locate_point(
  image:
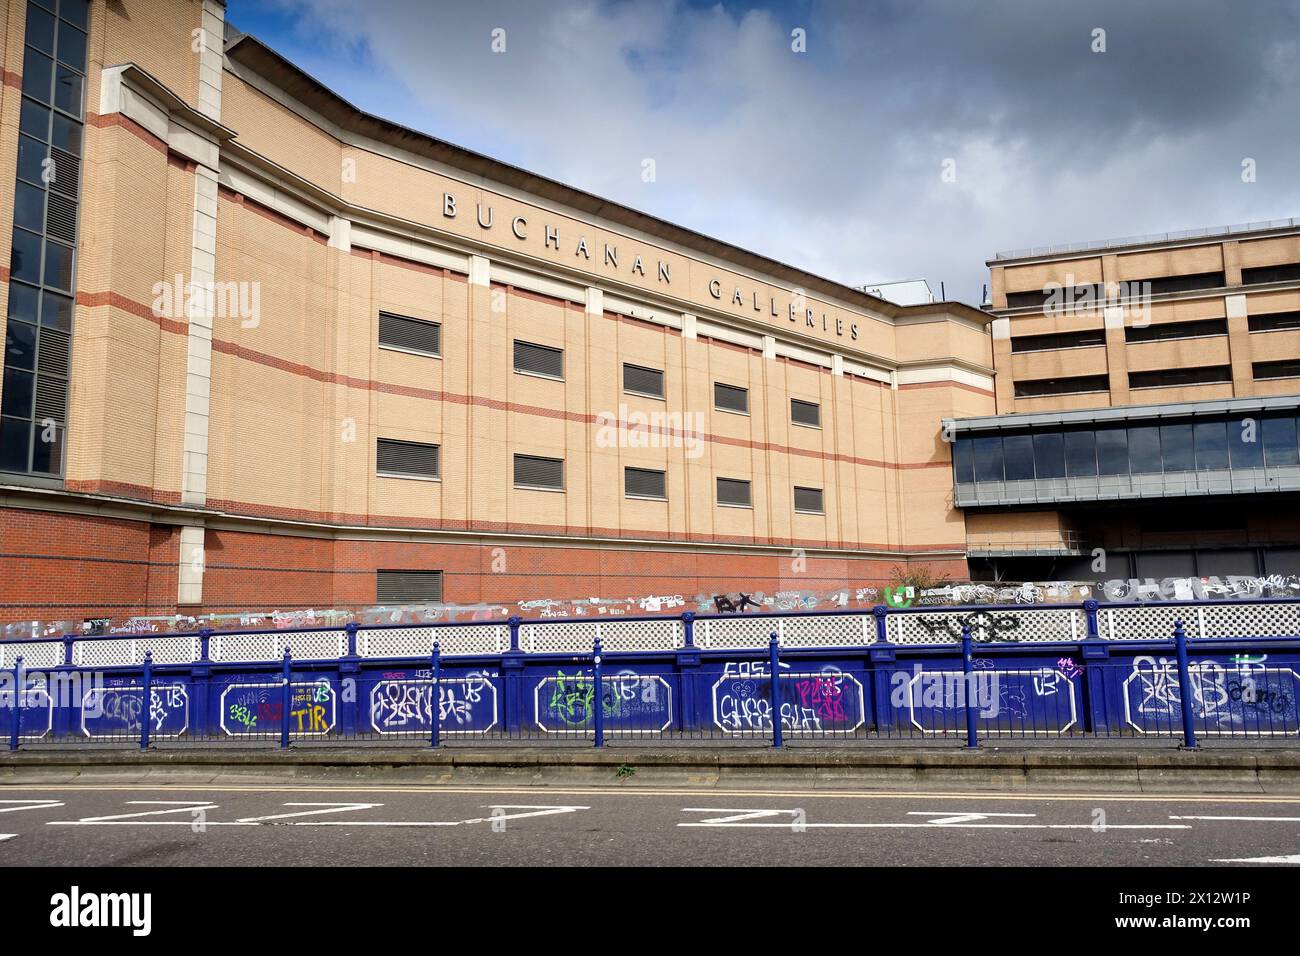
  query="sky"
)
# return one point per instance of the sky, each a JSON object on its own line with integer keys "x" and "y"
{"x": 862, "y": 141}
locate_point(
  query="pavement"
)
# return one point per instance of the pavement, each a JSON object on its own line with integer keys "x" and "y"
{"x": 171, "y": 823}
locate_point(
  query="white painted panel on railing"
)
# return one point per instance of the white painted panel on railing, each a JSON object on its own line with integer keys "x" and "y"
{"x": 828, "y": 630}
{"x": 562, "y": 637}
{"x": 736, "y": 632}
{"x": 34, "y": 653}
{"x": 418, "y": 641}
{"x": 657, "y": 635}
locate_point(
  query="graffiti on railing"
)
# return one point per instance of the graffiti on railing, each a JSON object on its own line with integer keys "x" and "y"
{"x": 984, "y": 625}
{"x": 116, "y": 710}
{"x": 249, "y": 708}
{"x": 1227, "y": 696}
{"x": 467, "y": 704}
{"x": 1013, "y": 700}
{"x": 629, "y": 701}
{"x": 35, "y": 707}
{"x": 829, "y": 701}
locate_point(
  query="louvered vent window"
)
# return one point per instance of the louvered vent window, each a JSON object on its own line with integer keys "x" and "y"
{"x": 805, "y": 413}
{"x": 808, "y": 500}
{"x": 733, "y": 491}
{"x": 406, "y": 458}
{"x": 539, "y": 360}
{"x": 645, "y": 483}
{"x": 408, "y": 587}
{"x": 643, "y": 381}
{"x": 413, "y": 335}
{"x": 729, "y": 398}
{"x": 534, "y": 472}
{"x": 33, "y": 413}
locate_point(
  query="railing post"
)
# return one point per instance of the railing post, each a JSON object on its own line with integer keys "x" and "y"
{"x": 968, "y": 668}
{"x": 1090, "y": 613}
{"x": 1184, "y": 685}
{"x": 514, "y": 632}
{"x": 286, "y": 698}
{"x": 19, "y": 680}
{"x": 205, "y": 644}
{"x": 774, "y": 654}
{"x": 688, "y": 622}
{"x": 882, "y": 631}
{"x": 435, "y": 717}
{"x": 67, "y": 649}
{"x": 598, "y": 702}
{"x": 146, "y": 705}
{"x": 351, "y": 629}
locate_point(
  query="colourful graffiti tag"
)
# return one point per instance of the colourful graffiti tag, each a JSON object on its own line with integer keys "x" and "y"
{"x": 249, "y": 708}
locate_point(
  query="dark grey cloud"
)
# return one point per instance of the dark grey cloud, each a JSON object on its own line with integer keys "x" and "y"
{"x": 832, "y": 159}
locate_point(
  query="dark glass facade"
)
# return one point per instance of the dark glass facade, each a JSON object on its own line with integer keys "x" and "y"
{"x": 38, "y": 332}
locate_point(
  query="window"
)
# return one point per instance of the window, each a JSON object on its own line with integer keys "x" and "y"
{"x": 734, "y": 492}
{"x": 1112, "y": 451}
{"x": 808, "y": 501}
{"x": 1244, "y": 446}
{"x": 1018, "y": 457}
{"x": 1080, "y": 454}
{"x": 645, "y": 483}
{"x": 539, "y": 360}
{"x": 408, "y": 587}
{"x": 1144, "y": 450}
{"x": 1062, "y": 386}
{"x": 1287, "y": 272}
{"x": 805, "y": 413}
{"x": 1287, "y": 368}
{"x": 1175, "y": 330}
{"x": 988, "y": 458}
{"x": 539, "y": 473}
{"x": 638, "y": 380}
{"x": 411, "y": 335}
{"x": 963, "y": 461}
{"x": 1164, "y": 378}
{"x": 1061, "y": 340}
{"x": 1169, "y": 284}
{"x": 43, "y": 257}
{"x": 1176, "y": 448}
{"x": 407, "y": 459}
{"x": 1274, "y": 321}
{"x": 1279, "y": 436}
{"x": 1211, "y": 441}
{"x": 1078, "y": 296}
{"x": 1049, "y": 455}
{"x": 729, "y": 398}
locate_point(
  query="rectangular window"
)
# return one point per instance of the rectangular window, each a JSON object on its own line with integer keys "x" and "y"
{"x": 988, "y": 458}
{"x": 1049, "y": 455}
{"x": 1176, "y": 449}
{"x": 1144, "y": 450}
{"x": 808, "y": 501}
{"x": 1036, "y": 388}
{"x": 43, "y": 256}
{"x": 1080, "y": 454}
{"x": 1279, "y": 441}
{"x": 411, "y": 335}
{"x": 408, "y": 587}
{"x": 539, "y": 473}
{"x": 1288, "y": 368}
{"x": 1244, "y": 447}
{"x": 1274, "y": 321}
{"x": 805, "y": 413}
{"x": 733, "y": 491}
{"x": 407, "y": 459}
{"x": 638, "y": 380}
{"x": 1287, "y": 272}
{"x": 1169, "y": 284}
{"x": 1068, "y": 297}
{"x": 1176, "y": 330}
{"x": 730, "y": 398}
{"x": 1060, "y": 340}
{"x": 1018, "y": 457}
{"x": 963, "y": 461}
{"x": 1167, "y": 377}
{"x": 645, "y": 483}
{"x": 539, "y": 360}
{"x": 1112, "y": 451}
{"x": 1211, "y": 441}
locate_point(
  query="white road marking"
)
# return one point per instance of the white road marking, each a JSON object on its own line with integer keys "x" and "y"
{"x": 7, "y": 836}
{"x": 29, "y": 805}
{"x": 1258, "y": 819}
{"x": 970, "y": 817}
{"x": 328, "y": 808}
{"x": 1263, "y": 859}
{"x": 133, "y": 819}
{"x": 942, "y": 824}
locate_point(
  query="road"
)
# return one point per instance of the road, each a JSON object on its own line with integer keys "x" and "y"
{"x": 121, "y": 825}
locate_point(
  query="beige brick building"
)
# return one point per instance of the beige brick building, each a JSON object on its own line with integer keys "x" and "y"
{"x": 267, "y": 350}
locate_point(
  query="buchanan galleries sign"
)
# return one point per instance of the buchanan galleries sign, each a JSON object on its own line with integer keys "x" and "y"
{"x": 796, "y": 308}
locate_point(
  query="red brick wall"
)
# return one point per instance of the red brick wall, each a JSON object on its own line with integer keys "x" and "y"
{"x": 55, "y": 566}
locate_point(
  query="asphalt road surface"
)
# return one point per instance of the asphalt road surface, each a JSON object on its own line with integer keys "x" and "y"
{"x": 117, "y": 825}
